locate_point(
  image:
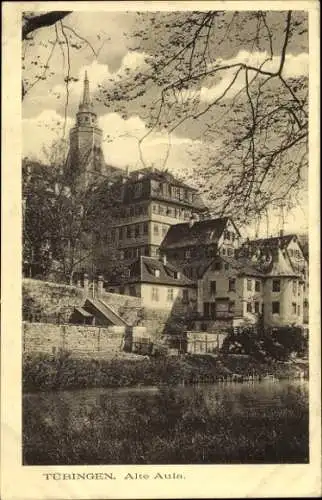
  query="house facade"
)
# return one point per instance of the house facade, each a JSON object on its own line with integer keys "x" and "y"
{"x": 150, "y": 202}
{"x": 230, "y": 290}
{"x": 193, "y": 245}
{"x": 159, "y": 285}
{"x": 265, "y": 281}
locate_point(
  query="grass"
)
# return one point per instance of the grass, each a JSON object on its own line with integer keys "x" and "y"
{"x": 169, "y": 427}
{"x": 47, "y": 372}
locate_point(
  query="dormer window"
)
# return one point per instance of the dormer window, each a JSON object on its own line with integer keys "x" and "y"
{"x": 157, "y": 273}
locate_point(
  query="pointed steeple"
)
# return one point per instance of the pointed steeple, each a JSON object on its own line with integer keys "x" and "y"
{"x": 86, "y": 100}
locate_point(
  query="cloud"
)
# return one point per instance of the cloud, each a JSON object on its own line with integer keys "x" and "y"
{"x": 120, "y": 141}
{"x": 41, "y": 131}
{"x": 295, "y": 66}
{"x": 99, "y": 75}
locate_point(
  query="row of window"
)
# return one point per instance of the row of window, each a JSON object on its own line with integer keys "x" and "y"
{"x": 296, "y": 309}
{"x": 155, "y": 296}
{"x": 133, "y": 211}
{"x": 276, "y": 286}
{"x": 134, "y": 252}
{"x": 137, "y": 230}
{"x": 229, "y": 235}
{"x": 251, "y": 284}
{"x": 176, "y": 213}
{"x": 176, "y": 192}
{"x": 211, "y": 309}
{"x": 227, "y": 251}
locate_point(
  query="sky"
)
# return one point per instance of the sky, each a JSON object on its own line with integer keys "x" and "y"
{"x": 123, "y": 52}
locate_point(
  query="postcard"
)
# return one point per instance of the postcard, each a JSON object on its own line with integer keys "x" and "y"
{"x": 161, "y": 259}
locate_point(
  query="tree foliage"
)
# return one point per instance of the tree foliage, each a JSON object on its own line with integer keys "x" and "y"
{"x": 222, "y": 78}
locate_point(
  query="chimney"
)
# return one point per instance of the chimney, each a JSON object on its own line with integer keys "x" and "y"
{"x": 281, "y": 233}
{"x": 164, "y": 259}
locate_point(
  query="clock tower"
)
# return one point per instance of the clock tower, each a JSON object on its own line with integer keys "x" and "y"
{"x": 86, "y": 160}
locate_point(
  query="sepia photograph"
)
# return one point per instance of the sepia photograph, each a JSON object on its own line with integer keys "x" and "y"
{"x": 162, "y": 255}
{"x": 165, "y": 237}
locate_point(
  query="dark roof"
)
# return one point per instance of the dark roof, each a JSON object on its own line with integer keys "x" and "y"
{"x": 158, "y": 175}
{"x": 272, "y": 242}
{"x": 277, "y": 264}
{"x": 143, "y": 271}
{"x": 200, "y": 232}
{"x": 242, "y": 266}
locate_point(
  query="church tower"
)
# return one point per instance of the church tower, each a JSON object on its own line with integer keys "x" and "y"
{"x": 86, "y": 160}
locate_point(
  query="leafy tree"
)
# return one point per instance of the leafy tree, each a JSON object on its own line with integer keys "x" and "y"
{"x": 225, "y": 77}
{"x": 62, "y": 227}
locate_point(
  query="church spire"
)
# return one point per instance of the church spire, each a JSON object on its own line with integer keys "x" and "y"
{"x": 86, "y": 100}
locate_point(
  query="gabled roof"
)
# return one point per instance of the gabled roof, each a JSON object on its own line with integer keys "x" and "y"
{"x": 275, "y": 264}
{"x": 242, "y": 266}
{"x": 143, "y": 270}
{"x": 200, "y": 232}
{"x": 272, "y": 242}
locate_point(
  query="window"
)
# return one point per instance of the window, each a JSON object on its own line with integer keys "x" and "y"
{"x": 275, "y": 307}
{"x": 249, "y": 285}
{"x": 257, "y": 286}
{"x": 121, "y": 233}
{"x": 232, "y": 285}
{"x": 249, "y": 307}
{"x": 232, "y": 306}
{"x": 230, "y": 251}
{"x": 276, "y": 286}
{"x": 122, "y": 255}
{"x": 299, "y": 310}
{"x": 216, "y": 266}
{"x": 128, "y": 232}
{"x": 223, "y": 251}
{"x": 137, "y": 190}
{"x": 137, "y": 230}
{"x": 226, "y": 266}
{"x": 145, "y": 228}
{"x": 256, "y": 304}
{"x": 294, "y": 287}
{"x": 185, "y": 295}
{"x": 213, "y": 287}
{"x": 170, "y": 295}
{"x": 155, "y": 294}
{"x": 187, "y": 254}
{"x": 146, "y": 251}
{"x": 132, "y": 290}
{"x": 156, "y": 229}
{"x": 113, "y": 234}
{"x": 131, "y": 211}
{"x": 227, "y": 235}
{"x": 161, "y": 209}
{"x": 293, "y": 308}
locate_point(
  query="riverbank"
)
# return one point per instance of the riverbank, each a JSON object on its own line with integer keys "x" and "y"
{"x": 45, "y": 372}
{"x": 251, "y": 423}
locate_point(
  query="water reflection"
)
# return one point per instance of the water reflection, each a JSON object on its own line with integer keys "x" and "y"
{"x": 252, "y": 422}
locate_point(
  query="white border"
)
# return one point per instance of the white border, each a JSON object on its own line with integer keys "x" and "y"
{"x": 202, "y": 481}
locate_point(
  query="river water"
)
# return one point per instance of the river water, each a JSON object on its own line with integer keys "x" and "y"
{"x": 276, "y": 411}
